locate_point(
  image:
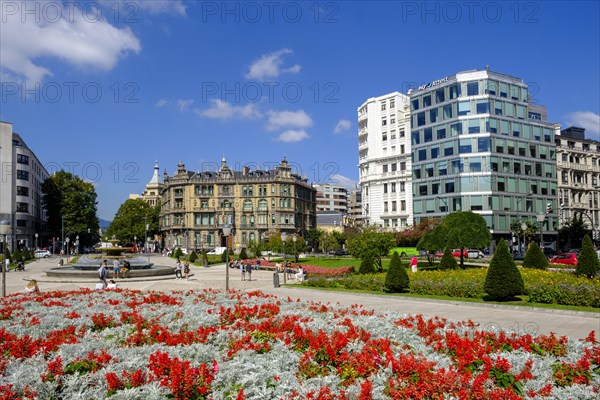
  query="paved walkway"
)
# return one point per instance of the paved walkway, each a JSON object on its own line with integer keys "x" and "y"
{"x": 509, "y": 318}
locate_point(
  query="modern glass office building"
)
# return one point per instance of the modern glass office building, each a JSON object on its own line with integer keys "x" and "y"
{"x": 480, "y": 143}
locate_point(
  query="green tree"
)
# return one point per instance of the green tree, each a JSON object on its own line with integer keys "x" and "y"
{"x": 410, "y": 237}
{"x": 396, "y": 278}
{"x": 16, "y": 256}
{"x": 26, "y": 254}
{"x": 243, "y": 255}
{"x": 366, "y": 266}
{"x": 535, "y": 258}
{"x": 458, "y": 230}
{"x": 328, "y": 242}
{"x": 448, "y": 261}
{"x": 6, "y": 254}
{"x": 371, "y": 243}
{"x": 588, "y": 263}
{"x": 256, "y": 248}
{"x": 204, "y": 258}
{"x": 503, "y": 280}
{"x": 131, "y": 219}
{"x": 69, "y": 199}
{"x": 574, "y": 230}
{"x": 193, "y": 256}
{"x": 178, "y": 253}
{"x": 313, "y": 236}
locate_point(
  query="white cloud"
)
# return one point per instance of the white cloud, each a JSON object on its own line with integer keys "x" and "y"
{"x": 343, "y": 125}
{"x": 223, "y": 110}
{"x": 270, "y": 66}
{"x": 341, "y": 180}
{"x": 585, "y": 119}
{"x": 291, "y": 136}
{"x": 162, "y": 103}
{"x": 155, "y": 7}
{"x": 288, "y": 119}
{"x": 65, "y": 35}
{"x": 184, "y": 104}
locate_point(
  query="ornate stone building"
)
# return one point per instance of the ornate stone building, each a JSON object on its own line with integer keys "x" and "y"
{"x": 255, "y": 203}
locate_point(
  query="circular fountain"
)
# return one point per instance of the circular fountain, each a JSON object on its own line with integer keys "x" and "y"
{"x": 87, "y": 265}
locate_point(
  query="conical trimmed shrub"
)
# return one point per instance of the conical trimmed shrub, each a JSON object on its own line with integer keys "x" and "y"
{"x": 178, "y": 253}
{"x": 535, "y": 258}
{"x": 448, "y": 261}
{"x": 16, "y": 257}
{"x": 243, "y": 255}
{"x": 193, "y": 256}
{"x": 6, "y": 254}
{"x": 396, "y": 279}
{"x": 587, "y": 260}
{"x": 503, "y": 280}
{"x": 366, "y": 266}
{"x": 26, "y": 254}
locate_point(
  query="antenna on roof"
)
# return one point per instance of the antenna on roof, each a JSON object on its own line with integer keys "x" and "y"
{"x": 487, "y": 67}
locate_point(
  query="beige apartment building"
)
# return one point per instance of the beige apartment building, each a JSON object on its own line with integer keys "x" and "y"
{"x": 195, "y": 206}
{"x": 578, "y": 170}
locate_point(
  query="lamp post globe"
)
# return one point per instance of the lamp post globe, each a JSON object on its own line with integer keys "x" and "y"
{"x": 36, "y": 240}
{"x": 541, "y": 217}
{"x": 524, "y": 229}
{"x": 67, "y": 240}
{"x": 294, "y": 238}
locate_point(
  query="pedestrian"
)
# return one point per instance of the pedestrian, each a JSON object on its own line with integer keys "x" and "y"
{"x": 413, "y": 264}
{"x": 257, "y": 265}
{"x": 186, "y": 270}
{"x": 102, "y": 272}
{"x": 243, "y": 270}
{"x": 32, "y": 287}
{"x": 116, "y": 268}
{"x": 112, "y": 284}
{"x": 300, "y": 275}
{"x": 249, "y": 270}
{"x": 6, "y": 264}
{"x": 178, "y": 269}
{"x": 61, "y": 262}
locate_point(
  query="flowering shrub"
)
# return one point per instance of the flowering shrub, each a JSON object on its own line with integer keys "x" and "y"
{"x": 246, "y": 345}
{"x": 541, "y": 286}
{"x": 312, "y": 269}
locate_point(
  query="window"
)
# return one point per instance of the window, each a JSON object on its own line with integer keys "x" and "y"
{"x": 393, "y": 187}
{"x": 392, "y": 103}
{"x": 383, "y": 121}
{"x": 383, "y": 105}
{"x": 393, "y": 119}
{"x": 464, "y": 108}
{"x": 439, "y": 96}
{"x": 394, "y": 167}
{"x": 474, "y": 126}
{"x": 22, "y": 159}
{"x": 384, "y": 136}
{"x": 448, "y": 111}
{"x": 23, "y": 175}
{"x": 421, "y": 119}
{"x": 472, "y": 88}
{"x": 385, "y": 168}
{"x": 433, "y": 115}
{"x": 23, "y": 207}
{"x": 450, "y": 187}
{"x": 427, "y": 135}
{"x": 385, "y": 188}
{"x": 415, "y": 104}
{"x": 385, "y": 206}
{"x": 426, "y": 101}
{"x": 22, "y": 191}
{"x": 402, "y": 186}
{"x": 441, "y": 133}
{"x": 403, "y": 205}
{"x": 454, "y": 91}
{"x": 394, "y": 209}
{"x": 483, "y": 107}
{"x": 393, "y": 134}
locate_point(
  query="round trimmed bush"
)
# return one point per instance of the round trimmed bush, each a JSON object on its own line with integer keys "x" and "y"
{"x": 448, "y": 261}
{"x": 535, "y": 258}
{"x": 396, "y": 279}
{"x": 503, "y": 280}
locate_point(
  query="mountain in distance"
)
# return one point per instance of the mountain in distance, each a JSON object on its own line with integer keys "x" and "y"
{"x": 103, "y": 224}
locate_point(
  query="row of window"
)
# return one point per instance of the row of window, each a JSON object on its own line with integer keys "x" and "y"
{"x": 394, "y": 207}
{"x": 246, "y": 190}
{"x": 483, "y": 145}
{"x": 473, "y": 88}
{"x": 212, "y": 220}
{"x": 384, "y": 135}
{"x": 484, "y": 164}
{"x": 482, "y": 125}
{"x": 498, "y": 203}
{"x": 393, "y": 167}
{"x": 392, "y": 104}
{"x": 484, "y": 183}
{"x": 468, "y": 107}
{"x": 392, "y": 187}
{"x": 393, "y": 222}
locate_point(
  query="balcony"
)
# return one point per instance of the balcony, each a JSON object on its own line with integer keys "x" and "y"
{"x": 362, "y": 117}
{"x": 363, "y": 145}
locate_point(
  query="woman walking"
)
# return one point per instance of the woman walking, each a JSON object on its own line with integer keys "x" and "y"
{"x": 186, "y": 270}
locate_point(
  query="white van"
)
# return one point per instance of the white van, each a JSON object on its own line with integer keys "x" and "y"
{"x": 217, "y": 251}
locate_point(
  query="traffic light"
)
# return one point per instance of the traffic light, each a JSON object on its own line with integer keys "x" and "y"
{"x": 548, "y": 208}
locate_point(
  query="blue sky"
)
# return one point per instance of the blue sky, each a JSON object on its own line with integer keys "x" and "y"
{"x": 105, "y": 88}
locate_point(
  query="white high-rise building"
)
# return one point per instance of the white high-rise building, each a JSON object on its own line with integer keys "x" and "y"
{"x": 21, "y": 190}
{"x": 332, "y": 198}
{"x": 385, "y": 167}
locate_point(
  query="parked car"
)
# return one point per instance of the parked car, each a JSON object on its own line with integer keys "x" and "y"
{"x": 338, "y": 253}
{"x": 518, "y": 256}
{"x": 42, "y": 253}
{"x": 218, "y": 250}
{"x": 456, "y": 253}
{"x": 565, "y": 258}
{"x": 475, "y": 253}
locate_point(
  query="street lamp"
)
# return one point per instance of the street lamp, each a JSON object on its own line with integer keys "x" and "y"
{"x": 524, "y": 229}
{"x": 36, "y": 237}
{"x": 67, "y": 240}
{"x": 135, "y": 244}
{"x": 283, "y": 239}
{"x": 226, "y": 233}
{"x": 147, "y": 247}
{"x": 541, "y": 217}
{"x": 77, "y": 243}
{"x": 4, "y": 231}
{"x": 294, "y": 238}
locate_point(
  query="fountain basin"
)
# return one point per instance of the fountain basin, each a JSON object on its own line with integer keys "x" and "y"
{"x": 69, "y": 272}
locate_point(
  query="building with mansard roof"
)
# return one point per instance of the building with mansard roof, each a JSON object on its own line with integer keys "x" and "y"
{"x": 195, "y": 206}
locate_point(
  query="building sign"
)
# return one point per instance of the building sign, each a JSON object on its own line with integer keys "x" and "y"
{"x": 432, "y": 84}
